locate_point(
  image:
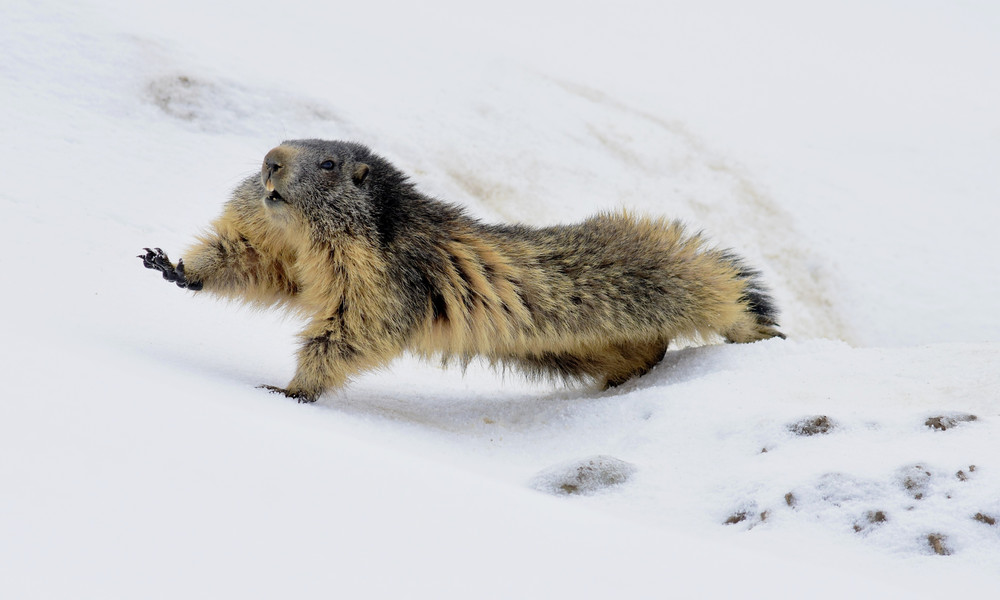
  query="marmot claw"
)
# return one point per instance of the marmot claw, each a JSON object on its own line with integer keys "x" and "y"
{"x": 157, "y": 260}
{"x": 302, "y": 397}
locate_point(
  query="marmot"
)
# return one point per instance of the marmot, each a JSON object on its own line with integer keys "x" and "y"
{"x": 337, "y": 233}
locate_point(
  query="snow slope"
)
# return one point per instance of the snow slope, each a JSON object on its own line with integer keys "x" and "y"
{"x": 849, "y": 152}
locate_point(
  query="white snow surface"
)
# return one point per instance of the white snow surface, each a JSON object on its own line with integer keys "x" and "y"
{"x": 850, "y": 150}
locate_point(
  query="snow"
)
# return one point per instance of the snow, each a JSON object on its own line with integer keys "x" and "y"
{"x": 849, "y": 151}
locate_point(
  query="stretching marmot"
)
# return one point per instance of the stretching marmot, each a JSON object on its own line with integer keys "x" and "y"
{"x": 339, "y": 234}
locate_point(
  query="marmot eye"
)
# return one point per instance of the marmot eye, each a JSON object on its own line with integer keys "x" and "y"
{"x": 326, "y": 164}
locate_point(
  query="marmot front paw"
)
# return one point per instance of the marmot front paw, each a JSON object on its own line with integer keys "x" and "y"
{"x": 157, "y": 260}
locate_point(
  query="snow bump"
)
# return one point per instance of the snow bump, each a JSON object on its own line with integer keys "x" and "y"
{"x": 584, "y": 477}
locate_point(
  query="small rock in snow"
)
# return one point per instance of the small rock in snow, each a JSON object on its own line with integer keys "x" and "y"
{"x": 747, "y": 513}
{"x": 915, "y": 480}
{"x": 817, "y": 425}
{"x": 586, "y": 476}
{"x": 946, "y": 422}
{"x": 937, "y": 543}
{"x": 872, "y": 518}
{"x": 985, "y": 518}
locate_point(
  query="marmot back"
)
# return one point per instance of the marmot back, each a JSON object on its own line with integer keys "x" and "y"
{"x": 337, "y": 233}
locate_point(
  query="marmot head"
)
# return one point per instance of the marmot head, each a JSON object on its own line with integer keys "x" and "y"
{"x": 325, "y": 182}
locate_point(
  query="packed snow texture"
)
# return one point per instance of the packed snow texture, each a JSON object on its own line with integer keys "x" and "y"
{"x": 850, "y": 151}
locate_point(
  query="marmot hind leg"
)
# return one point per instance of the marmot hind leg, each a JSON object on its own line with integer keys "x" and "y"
{"x": 625, "y": 361}
{"x": 758, "y": 321}
{"x": 610, "y": 365}
{"x": 751, "y": 330}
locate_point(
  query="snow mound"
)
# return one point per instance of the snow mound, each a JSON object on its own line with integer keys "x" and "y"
{"x": 586, "y": 476}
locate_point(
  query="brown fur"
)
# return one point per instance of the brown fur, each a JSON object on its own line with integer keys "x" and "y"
{"x": 381, "y": 269}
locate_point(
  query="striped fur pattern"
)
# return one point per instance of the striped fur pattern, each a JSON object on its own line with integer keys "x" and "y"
{"x": 336, "y": 233}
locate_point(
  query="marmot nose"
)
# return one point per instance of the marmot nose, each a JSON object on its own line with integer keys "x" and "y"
{"x": 274, "y": 161}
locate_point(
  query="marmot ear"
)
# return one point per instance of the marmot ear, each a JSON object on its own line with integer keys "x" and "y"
{"x": 360, "y": 173}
